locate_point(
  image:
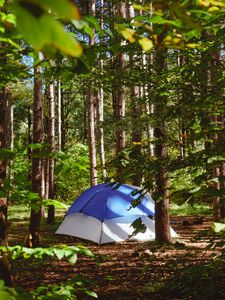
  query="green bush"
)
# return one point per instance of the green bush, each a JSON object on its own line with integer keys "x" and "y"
{"x": 72, "y": 172}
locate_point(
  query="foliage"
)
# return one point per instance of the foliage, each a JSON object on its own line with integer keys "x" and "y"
{"x": 55, "y": 292}
{"x": 60, "y": 251}
{"x": 187, "y": 209}
{"x": 47, "y": 32}
{"x": 78, "y": 285}
{"x": 201, "y": 281}
{"x": 69, "y": 290}
{"x": 171, "y": 24}
{"x": 72, "y": 172}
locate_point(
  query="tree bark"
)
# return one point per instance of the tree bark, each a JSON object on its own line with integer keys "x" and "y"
{"x": 100, "y": 106}
{"x": 4, "y": 263}
{"x": 162, "y": 227}
{"x": 59, "y": 100}
{"x": 222, "y": 185}
{"x": 3, "y": 129}
{"x": 118, "y": 92}
{"x": 51, "y": 160}
{"x": 5, "y": 272}
{"x": 135, "y": 94}
{"x": 37, "y": 161}
{"x": 149, "y": 107}
{"x": 91, "y": 114}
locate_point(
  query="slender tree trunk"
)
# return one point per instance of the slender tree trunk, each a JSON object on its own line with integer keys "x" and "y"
{"x": 162, "y": 227}
{"x": 10, "y": 145}
{"x": 3, "y": 130}
{"x": 222, "y": 185}
{"x": 59, "y": 98}
{"x": 119, "y": 92}
{"x": 221, "y": 139}
{"x": 181, "y": 60}
{"x": 135, "y": 93}
{"x": 4, "y": 263}
{"x": 5, "y": 273}
{"x": 29, "y": 132}
{"x": 214, "y": 77}
{"x": 120, "y": 104}
{"x": 216, "y": 199}
{"x": 100, "y": 106}
{"x": 149, "y": 108}
{"x": 6, "y": 129}
{"x": 85, "y": 126}
{"x": 91, "y": 114}
{"x": 37, "y": 161}
{"x": 51, "y": 160}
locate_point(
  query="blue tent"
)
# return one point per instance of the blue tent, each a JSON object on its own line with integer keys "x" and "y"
{"x": 104, "y": 214}
{"x": 106, "y": 201}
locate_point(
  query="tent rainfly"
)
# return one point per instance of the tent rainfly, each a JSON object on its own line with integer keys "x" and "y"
{"x": 104, "y": 214}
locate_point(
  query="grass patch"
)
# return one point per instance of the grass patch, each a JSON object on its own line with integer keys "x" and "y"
{"x": 190, "y": 210}
{"x": 18, "y": 212}
{"x": 22, "y": 212}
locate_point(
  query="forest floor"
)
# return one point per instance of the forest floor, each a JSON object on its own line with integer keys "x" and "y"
{"x": 128, "y": 270}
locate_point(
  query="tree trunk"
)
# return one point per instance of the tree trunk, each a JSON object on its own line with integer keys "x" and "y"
{"x": 4, "y": 263}
{"x": 5, "y": 273}
{"x": 183, "y": 98}
{"x": 59, "y": 98}
{"x": 51, "y": 160}
{"x": 214, "y": 77}
{"x": 3, "y": 131}
{"x": 221, "y": 138}
{"x": 91, "y": 114}
{"x": 119, "y": 93}
{"x": 135, "y": 94}
{"x": 37, "y": 162}
{"x": 149, "y": 108}
{"x": 85, "y": 126}
{"x": 100, "y": 107}
{"x": 222, "y": 185}
{"x": 162, "y": 227}
{"x": 6, "y": 141}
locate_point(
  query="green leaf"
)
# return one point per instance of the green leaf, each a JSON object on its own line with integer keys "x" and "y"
{"x": 56, "y": 203}
{"x": 218, "y": 227}
{"x": 4, "y": 152}
{"x": 46, "y": 31}
{"x": 195, "y": 190}
{"x": 215, "y": 158}
{"x": 9, "y": 41}
{"x": 91, "y": 293}
{"x": 5, "y": 294}
{"x": 73, "y": 259}
{"x": 63, "y": 8}
{"x": 138, "y": 227}
{"x": 142, "y": 7}
{"x": 59, "y": 253}
{"x": 146, "y": 44}
{"x": 92, "y": 20}
{"x": 9, "y": 18}
{"x": 79, "y": 24}
{"x": 60, "y": 39}
{"x": 2, "y": 28}
{"x": 128, "y": 34}
{"x": 160, "y": 20}
{"x": 29, "y": 27}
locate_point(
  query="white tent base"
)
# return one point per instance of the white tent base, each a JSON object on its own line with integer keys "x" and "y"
{"x": 114, "y": 230}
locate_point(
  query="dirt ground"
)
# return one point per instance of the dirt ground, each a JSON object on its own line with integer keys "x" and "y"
{"x": 128, "y": 270}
